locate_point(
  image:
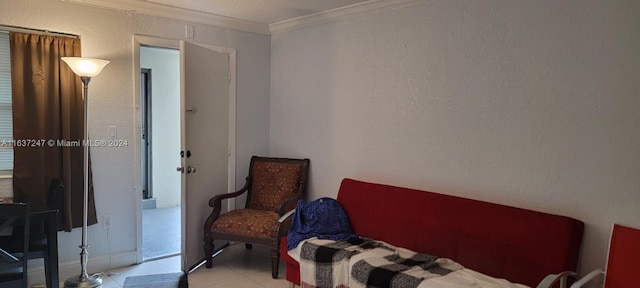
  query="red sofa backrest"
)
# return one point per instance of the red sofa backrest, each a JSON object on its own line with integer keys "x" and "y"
{"x": 519, "y": 245}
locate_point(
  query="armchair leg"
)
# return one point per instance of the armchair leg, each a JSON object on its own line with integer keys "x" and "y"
{"x": 275, "y": 263}
{"x": 208, "y": 252}
{"x": 275, "y": 259}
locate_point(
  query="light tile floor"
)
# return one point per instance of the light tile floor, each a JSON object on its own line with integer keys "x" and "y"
{"x": 234, "y": 267}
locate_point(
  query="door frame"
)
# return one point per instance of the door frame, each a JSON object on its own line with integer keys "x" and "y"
{"x": 141, "y": 40}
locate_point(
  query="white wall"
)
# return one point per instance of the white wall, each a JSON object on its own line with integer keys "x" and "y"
{"x": 108, "y": 34}
{"x": 165, "y": 123}
{"x": 533, "y": 104}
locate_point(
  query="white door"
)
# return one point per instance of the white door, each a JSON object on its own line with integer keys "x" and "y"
{"x": 204, "y": 82}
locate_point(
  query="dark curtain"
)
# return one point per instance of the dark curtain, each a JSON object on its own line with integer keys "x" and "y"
{"x": 48, "y": 108}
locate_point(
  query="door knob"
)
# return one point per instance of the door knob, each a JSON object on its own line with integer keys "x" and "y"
{"x": 180, "y": 169}
{"x": 191, "y": 169}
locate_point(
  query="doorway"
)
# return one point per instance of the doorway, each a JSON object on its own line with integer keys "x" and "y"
{"x": 160, "y": 146}
{"x": 196, "y": 188}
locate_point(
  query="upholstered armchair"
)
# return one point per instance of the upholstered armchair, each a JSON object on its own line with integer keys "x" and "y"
{"x": 273, "y": 187}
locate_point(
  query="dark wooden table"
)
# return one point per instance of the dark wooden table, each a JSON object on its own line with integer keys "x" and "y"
{"x": 49, "y": 217}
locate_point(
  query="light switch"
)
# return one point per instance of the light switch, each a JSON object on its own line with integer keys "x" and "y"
{"x": 188, "y": 31}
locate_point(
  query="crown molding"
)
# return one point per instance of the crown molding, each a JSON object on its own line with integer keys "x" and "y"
{"x": 154, "y": 9}
{"x": 354, "y": 10}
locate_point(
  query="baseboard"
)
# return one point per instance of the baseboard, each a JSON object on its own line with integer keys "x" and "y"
{"x": 72, "y": 268}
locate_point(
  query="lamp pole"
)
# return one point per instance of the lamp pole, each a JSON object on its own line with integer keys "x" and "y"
{"x": 85, "y": 68}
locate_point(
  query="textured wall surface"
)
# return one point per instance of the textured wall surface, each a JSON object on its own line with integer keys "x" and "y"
{"x": 532, "y": 104}
{"x": 108, "y": 34}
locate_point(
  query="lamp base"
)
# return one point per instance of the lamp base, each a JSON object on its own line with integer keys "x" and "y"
{"x": 84, "y": 282}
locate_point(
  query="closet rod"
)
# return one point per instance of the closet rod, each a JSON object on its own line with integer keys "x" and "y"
{"x": 9, "y": 28}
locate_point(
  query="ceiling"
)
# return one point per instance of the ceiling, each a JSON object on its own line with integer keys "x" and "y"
{"x": 258, "y": 16}
{"x": 261, "y": 11}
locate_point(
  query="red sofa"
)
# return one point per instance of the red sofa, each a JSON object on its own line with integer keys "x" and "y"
{"x": 519, "y": 245}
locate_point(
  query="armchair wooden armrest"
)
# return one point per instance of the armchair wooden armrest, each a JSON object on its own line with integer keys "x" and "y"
{"x": 288, "y": 204}
{"x": 552, "y": 279}
{"x": 283, "y": 226}
{"x": 216, "y": 203}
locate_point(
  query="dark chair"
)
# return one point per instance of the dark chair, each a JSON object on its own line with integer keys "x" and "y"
{"x": 38, "y": 243}
{"x": 273, "y": 187}
{"x": 13, "y": 263}
{"x": 38, "y": 247}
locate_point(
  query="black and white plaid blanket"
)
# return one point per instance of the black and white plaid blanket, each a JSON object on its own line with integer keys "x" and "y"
{"x": 339, "y": 264}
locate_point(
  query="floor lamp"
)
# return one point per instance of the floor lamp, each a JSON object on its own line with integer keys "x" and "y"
{"x": 86, "y": 68}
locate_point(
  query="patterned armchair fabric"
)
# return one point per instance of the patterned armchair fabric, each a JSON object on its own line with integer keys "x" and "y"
{"x": 246, "y": 222}
{"x": 273, "y": 187}
{"x": 273, "y": 183}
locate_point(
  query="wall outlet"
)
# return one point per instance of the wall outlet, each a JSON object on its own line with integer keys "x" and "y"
{"x": 113, "y": 132}
{"x": 106, "y": 221}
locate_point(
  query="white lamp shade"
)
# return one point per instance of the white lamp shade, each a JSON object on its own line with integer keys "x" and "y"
{"x": 85, "y": 67}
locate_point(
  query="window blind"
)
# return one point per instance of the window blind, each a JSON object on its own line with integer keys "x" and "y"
{"x": 6, "y": 115}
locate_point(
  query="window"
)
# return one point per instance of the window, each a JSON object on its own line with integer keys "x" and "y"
{"x": 6, "y": 115}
